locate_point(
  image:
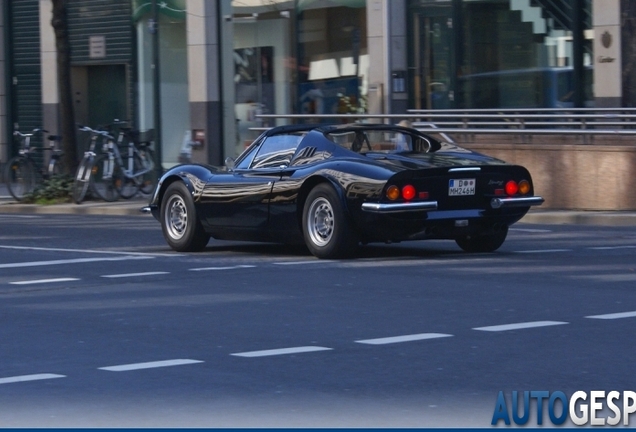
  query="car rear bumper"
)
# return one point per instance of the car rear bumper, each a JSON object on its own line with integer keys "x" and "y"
{"x": 399, "y": 207}
{"x": 516, "y": 202}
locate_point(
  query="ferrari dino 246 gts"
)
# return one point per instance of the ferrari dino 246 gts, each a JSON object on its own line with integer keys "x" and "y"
{"x": 335, "y": 187}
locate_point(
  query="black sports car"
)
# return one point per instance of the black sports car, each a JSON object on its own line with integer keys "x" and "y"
{"x": 336, "y": 186}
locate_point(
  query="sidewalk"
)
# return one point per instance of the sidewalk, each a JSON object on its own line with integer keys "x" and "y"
{"x": 132, "y": 207}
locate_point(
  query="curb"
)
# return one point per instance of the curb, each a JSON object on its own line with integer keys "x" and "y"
{"x": 133, "y": 208}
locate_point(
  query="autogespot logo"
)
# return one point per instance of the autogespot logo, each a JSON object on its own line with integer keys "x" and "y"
{"x": 595, "y": 408}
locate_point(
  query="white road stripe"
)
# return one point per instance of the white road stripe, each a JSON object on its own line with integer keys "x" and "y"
{"x": 612, "y": 247}
{"x": 149, "y": 365}
{"x": 34, "y": 377}
{"x": 531, "y": 230}
{"x": 318, "y": 261}
{"x": 93, "y": 251}
{"x": 282, "y": 351}
{"x": 125, "y": 275}
{"x": 544, "y": 251}
{"x": 614, "y": 315}
{"x": 626, "y": 277}
{"x": 406, "y": 338}
{"x": 68, "y": 261}
{"x": 519, "y": 326}
{"x": 222, "y": 268}
{"x": 41, "y": 281}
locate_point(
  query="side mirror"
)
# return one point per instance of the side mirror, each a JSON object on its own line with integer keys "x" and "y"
{"x": 229, "y": 163}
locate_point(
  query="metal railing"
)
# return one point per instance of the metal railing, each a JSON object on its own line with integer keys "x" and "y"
{"x": 522, "y": 122}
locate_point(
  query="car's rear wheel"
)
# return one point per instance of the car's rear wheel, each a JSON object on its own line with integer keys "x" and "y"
{"x": 483, "y": 242}
{"x": 179, "y": 222}
{"x": 327, "y": 231}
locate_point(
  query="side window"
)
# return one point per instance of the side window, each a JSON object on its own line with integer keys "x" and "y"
{"x": 247, "y": 160}
{"x": 276, "y": 151}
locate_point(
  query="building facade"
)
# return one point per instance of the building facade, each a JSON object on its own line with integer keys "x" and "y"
{"x": 200, "y": 71}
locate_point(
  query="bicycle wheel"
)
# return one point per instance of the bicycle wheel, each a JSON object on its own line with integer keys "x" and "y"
{"x": 82, "y": 179}
{"x": 20, "y": 177}
{"x": 148, "y": 180}
{"x": 102, "y": 179}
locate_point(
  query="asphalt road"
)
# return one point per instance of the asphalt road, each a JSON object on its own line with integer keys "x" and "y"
{"x": 101, "y": 325}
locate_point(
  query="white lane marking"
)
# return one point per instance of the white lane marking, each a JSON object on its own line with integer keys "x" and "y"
{"x": 93, "y": 251}
{"x": 149, "y": 365}
{"x": 125, "y": 275}
{"x": 34, "y": 377}
{"x": 627, "y": 277}
{"x": 282, "y": 351}
{"x": 222, "y": 268}
{"x": 69, "y": 261}
{"x": 531, "y": 230}
{"x": 318, "y": 261}
{"x": 519, "y": 326}
{"x": 544, "y": 251}
{"x": 614, "y": 315}
{"x": 40, "y": 281}
{"x": 405, "y": 338}
{"x": 613, "y": 247}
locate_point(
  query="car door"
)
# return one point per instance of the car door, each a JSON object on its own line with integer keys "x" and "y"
{"x": 240, "y": 197}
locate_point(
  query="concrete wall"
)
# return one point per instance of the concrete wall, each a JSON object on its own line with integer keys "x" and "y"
{"x": 575, "y": 177}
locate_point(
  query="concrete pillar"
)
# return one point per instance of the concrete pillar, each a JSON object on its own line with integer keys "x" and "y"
{"x": 203, "y": 81}
{"x": 48, "y": 68}
{"x": 4, "y": 127}
{"x": 607, "y": 53}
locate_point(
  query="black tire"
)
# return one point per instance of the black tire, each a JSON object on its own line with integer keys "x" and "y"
{"x": 326, "y": 229}
{"x": 179, "y": 221}
{"x": 20, "y": 177}
{"x": 483, "y": 242}
{"x": 102, "y": 179}
{"x": 82, "y": 179}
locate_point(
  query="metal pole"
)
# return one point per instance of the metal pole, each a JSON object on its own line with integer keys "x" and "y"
{"x": 156, "y": 86}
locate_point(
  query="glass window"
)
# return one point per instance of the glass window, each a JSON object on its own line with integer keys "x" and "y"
{"x": 276, "y": 151}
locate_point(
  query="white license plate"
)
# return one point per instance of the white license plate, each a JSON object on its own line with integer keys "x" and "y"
{"x": 461, "y": 187}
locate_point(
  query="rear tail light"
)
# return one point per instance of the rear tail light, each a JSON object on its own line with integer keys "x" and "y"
{"x": 524, "y": 187}
{"x": 511, "y": 187}
{"x": 393, "y": 193}
{"x": 408, "y": 192}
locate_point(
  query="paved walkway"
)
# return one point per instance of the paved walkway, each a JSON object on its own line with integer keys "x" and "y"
{"x": 133, "y": 206}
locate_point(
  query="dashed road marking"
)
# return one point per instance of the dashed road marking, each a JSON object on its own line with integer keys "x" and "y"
{"x": 614, "y": 315}
{"x": 222, "y": 268}
{"x": 149, "y": 365}
{"x": 68, "y": 261}
{"x": 125, "y": 275}
{"x": 621, "y": 277}
{"x": 544, "y": 251}
{"x": 33, "y": 377}
{"x": 405, "y": 338}
{"x": 613, "y": 247}
{"x": 281, "y": 351}
{"x": 92, "y": 251}
{"x": 318, "y": 261}
{"x": 42, "y": 281}
{"x": 519, "y": 326}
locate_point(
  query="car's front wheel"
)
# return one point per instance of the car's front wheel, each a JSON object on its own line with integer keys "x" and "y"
{"x": 483, "y": 242}
{"x": 327, "y": 232}
{"x": 181, "y": 227}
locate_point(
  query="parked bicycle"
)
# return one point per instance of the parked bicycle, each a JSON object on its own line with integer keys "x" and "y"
{"x": 24, "y": 171}
{"x": 93, "y": 171}
{"x": 132, "y": 169}
{"x": 115, "y": 173}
